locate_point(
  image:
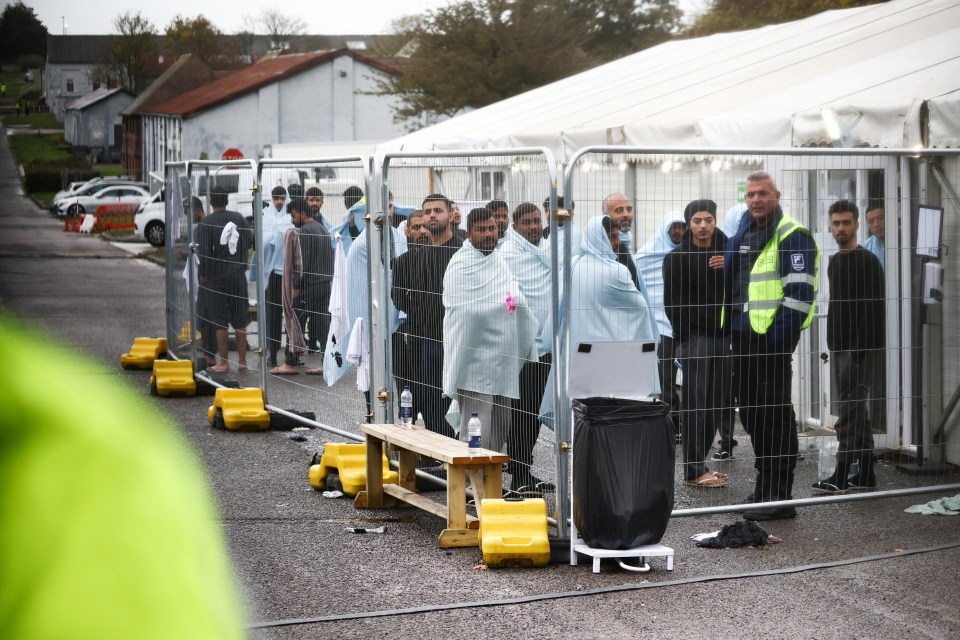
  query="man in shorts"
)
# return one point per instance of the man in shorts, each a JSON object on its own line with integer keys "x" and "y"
{"x": 224, "y": 241}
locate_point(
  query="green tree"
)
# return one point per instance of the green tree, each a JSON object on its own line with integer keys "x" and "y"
{"x": 21, "y": 32}
{"x": 129, "y": 53}
{"x": 620, "y": 27}
{"x": 738, "y": 15}
{"x": 196, "y": 36}
{"x": 476, "y": 52}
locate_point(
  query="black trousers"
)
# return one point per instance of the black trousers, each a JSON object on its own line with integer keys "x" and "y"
{"x": 433, "y": 405}
{"x": 273, "y": 315}
{"x": 764, "y": 383}
{"x": 313, "y": 312}
{"x": 853, "y": 428}
{"x": 706, "y": 398}
{"x": 525, "y": 423}
{"x": 666, "y": 354}
{"x": 406, "y": 367}
{"x": 876, "y": 365}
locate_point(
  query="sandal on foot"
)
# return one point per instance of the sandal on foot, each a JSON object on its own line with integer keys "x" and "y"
{"x": 224, "y": 368}
{"x": 315, "y": 371}
{"x": 242, "y": 368}
{"x": 284, "y": 370}
{"x": 707, "y": 480}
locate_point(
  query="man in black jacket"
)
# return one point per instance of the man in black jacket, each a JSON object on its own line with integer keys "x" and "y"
{"x": 406, "y": 340}
{"x": 418, "y": 292}
{"x": 855, "y": 332}
{"x": 693, "y": 300}
{"x": 313, "y": 305}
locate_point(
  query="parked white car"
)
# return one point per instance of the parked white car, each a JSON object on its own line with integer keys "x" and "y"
{"x": 149, "y": 220}
{"x": 108, "y": 193}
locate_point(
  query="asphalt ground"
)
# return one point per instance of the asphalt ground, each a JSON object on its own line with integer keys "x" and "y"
{"x": 842, "y": 570}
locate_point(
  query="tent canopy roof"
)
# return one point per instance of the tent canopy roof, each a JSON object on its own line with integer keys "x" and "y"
{"x": 759, "y": 88}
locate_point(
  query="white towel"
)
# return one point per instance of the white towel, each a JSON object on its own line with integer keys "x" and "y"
{"x": 334, "y": 362}
{"x": 358, "y": 352}
{"x": 339, "y": 295}
{"x": 230, "y": 237}
{"x": 191, "y": 283}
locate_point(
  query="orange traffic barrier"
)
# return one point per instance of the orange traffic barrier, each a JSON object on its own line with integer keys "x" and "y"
{"x": 115, "y": 216}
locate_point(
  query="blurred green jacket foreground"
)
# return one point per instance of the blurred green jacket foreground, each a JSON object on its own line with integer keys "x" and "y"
{"x": 107, "y": 526}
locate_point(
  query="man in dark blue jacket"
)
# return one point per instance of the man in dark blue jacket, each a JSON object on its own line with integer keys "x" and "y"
{"x": 770, "y": 284}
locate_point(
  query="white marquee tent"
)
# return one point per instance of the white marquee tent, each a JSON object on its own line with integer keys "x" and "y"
{"x": 759, "y": 88}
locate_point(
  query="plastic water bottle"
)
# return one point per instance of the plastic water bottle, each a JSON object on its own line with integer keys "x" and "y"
{"x": 827, "y": 460}
{"x": 473, "y": 430}
{"x": 406, "y": 406}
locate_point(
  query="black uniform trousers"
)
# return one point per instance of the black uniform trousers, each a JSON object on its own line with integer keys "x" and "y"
{"x": 764, "y": 383}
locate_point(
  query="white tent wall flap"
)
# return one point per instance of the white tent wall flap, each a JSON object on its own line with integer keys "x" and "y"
{"x": 763, "y": 88}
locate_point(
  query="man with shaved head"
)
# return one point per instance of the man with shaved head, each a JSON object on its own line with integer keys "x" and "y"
{"x": 770, "y": 287}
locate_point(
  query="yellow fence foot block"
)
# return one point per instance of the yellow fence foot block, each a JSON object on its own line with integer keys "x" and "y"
{"x": 239, "y": 410}
{"x": 185, "y": 335}
{"x": 513, "y": 533}
{"x": 172, "y": 378}
{"x": 349, "y": 461}
{"x": 143, "y": 352}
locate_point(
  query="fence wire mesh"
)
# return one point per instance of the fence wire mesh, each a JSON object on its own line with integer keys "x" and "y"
{"x": 821, "y": 379}
{"x": 850, "y": 385}
{"x": 471, "y": 288}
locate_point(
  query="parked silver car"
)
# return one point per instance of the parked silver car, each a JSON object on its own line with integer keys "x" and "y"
{"x": 105, "y": 194}
{"x": 86, "y": 188}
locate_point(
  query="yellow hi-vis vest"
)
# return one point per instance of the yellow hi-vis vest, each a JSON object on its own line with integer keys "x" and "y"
{"x": 765, "y": 291}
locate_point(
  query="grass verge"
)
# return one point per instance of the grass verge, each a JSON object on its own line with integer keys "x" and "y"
{"x": 44, "y": 198}
{"x": 28, "y": 148}
{"x": 34, "y": 121}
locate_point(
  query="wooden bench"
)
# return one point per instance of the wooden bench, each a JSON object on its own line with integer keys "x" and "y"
{"x": 485, "y": 470}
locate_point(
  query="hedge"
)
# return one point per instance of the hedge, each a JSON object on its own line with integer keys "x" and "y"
{"x": 54, "y": 175}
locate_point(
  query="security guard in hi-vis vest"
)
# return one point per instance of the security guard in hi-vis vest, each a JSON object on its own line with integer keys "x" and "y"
{"x": 770, "y": 285}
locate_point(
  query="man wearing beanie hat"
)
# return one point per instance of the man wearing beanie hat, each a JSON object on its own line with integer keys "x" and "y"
{"x": 693, "y": 299}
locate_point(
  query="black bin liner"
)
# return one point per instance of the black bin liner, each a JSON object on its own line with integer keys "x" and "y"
{"x": 623, "y": 471}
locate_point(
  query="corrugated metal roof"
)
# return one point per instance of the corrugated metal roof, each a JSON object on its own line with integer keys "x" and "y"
{"x": 93, "y": 98}
{"x": 252, "y": 78}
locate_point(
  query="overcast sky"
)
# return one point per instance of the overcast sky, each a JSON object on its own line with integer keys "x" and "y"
{"x": 333, "y": 17}
{"x": 87, "y": 17}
